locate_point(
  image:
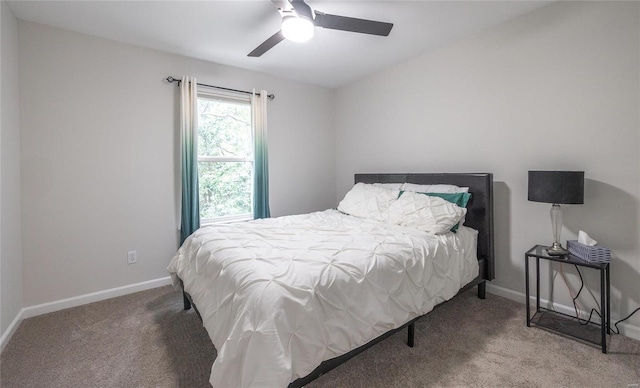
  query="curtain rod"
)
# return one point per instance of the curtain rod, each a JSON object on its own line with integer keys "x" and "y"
{"x": 171, "y": 79}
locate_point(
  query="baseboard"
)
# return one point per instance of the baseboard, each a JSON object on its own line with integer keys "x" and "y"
{"x": 6, "y": 336}
{"x": 80, "y": 300}
{"x": 626, "y": 329}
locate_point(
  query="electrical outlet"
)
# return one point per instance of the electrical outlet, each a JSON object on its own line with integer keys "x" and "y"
{"x": 131, "y": 257}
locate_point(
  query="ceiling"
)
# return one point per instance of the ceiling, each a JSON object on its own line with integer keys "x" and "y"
{"x": 226, "y": 31}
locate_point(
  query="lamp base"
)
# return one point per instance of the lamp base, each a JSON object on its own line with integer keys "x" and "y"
{"x": 556, "y": 250}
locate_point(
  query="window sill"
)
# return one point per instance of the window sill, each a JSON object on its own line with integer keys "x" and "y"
{"x": 228, "y": 221}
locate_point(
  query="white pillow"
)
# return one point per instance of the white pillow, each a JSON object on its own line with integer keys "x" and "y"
{"x": 368, "y": 201}
{"x": 434, "y": 188}
{"x": 430, "y": 214}
{"x": 390, "y": 186}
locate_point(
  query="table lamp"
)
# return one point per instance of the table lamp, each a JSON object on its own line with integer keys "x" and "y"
{"x": 556, "y": 188}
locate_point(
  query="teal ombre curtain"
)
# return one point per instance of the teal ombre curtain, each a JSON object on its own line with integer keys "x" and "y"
{"x": 261, "y": 164}
{"x": 190, "y": 209}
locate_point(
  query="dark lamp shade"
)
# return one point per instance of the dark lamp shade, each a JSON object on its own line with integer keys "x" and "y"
{"x": 562, "y": 187}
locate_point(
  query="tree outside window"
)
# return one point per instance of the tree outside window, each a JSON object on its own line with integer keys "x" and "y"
{"x": 225, "y": 158}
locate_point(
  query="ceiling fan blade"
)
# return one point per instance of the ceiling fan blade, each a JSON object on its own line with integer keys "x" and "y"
{"x": 267, "y": 44}
{"x": 302, "y": 9}
{"x": 344, "y": 23}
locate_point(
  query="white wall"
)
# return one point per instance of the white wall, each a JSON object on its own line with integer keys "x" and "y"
{"x": 99, "y": 157}
{"x": 99, "y": 143}
{"x": 10, "y": 228}
{"x": 558, "y": 88}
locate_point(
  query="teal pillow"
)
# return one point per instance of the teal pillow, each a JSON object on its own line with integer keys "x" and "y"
{"x": 460, "y": 199}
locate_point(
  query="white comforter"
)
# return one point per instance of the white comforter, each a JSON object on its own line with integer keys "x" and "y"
{"x": 279, "y": 296}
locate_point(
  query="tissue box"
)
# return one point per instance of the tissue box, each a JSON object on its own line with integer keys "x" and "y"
{"x": 594, "y": 254}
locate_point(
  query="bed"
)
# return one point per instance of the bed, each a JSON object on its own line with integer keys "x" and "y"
{"x": 285, "y": 300}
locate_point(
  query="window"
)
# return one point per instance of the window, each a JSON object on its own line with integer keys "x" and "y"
{"x": 225, "y": 157}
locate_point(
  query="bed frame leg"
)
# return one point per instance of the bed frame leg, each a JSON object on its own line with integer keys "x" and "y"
{"x": 410, "y": 333}
{"x": 482, "y": 290}
{"x": 185, "y": 299}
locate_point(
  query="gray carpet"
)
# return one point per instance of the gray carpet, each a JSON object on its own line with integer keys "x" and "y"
{"x": 147, "y": 340}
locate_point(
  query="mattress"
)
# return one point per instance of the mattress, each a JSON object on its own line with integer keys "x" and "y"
{"x": 279, "y": 296}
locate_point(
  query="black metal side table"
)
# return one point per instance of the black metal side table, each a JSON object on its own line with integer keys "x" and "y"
{"x": 563, "y": 323}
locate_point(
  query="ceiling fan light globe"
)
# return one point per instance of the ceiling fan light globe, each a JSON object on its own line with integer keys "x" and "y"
{"x": 297, "y": 29}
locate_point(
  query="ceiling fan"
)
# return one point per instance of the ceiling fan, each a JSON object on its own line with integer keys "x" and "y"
{"x": 299, "y": 20}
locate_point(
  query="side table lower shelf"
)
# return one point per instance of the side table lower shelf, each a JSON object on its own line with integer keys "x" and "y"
{"x": 567, "y": 325}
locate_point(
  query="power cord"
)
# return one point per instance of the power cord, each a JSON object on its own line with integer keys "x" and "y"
{"x": 593, "y": 310}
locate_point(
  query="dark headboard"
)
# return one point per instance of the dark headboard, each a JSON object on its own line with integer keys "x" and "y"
{"x": 479, "y": 210}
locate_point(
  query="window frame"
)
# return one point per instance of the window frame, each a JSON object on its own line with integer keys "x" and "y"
{"x": 214, "y": 94}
